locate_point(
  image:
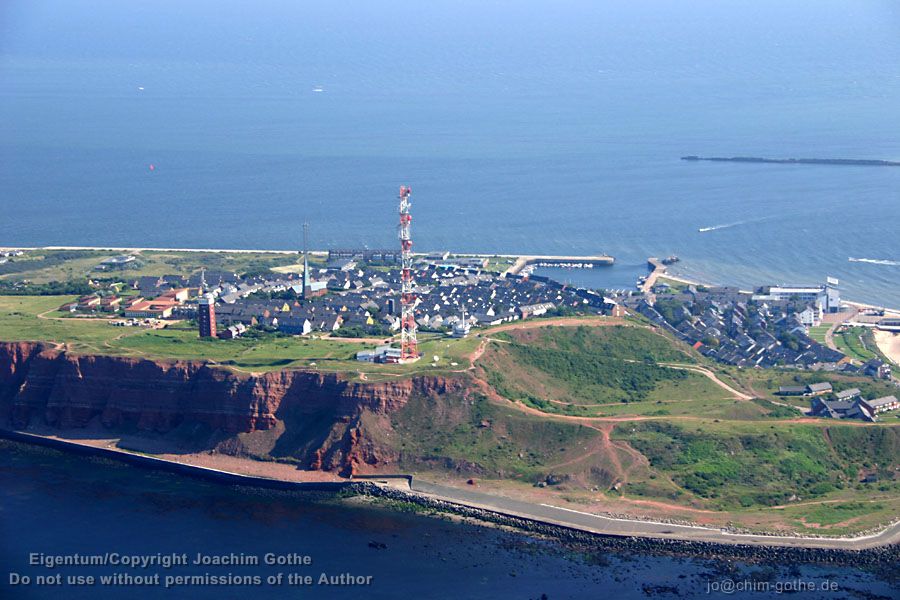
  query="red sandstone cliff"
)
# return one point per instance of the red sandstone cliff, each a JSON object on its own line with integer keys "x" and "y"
{"x": 330, "y": 414}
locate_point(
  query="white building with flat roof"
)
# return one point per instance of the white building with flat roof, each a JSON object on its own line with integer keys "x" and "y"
{"x": 827, "y": 298}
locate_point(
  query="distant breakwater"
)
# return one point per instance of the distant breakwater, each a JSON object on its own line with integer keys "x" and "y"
{"x": 798, "y": 161}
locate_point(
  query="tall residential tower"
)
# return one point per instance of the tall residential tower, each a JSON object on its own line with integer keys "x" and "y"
{"x": 206, "y": 316}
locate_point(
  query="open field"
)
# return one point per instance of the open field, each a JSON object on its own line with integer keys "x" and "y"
{"x": 42, "y": 266}
{"x": 759, "y": 475}
{"x": 730, "y": 465}
{"x": 856, "y": 342}
{"x": 34, "y": 318}
{"x": 19, "y": 321}
{"x": 818, "y": 332}
{"x": 623, "y": 370}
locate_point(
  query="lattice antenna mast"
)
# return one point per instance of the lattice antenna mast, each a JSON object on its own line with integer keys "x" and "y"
{"x": 409, "y": 349}
{"x": 306, "y": 279}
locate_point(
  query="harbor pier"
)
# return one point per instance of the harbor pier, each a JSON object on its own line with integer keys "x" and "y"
{"x": 560, "y": 261}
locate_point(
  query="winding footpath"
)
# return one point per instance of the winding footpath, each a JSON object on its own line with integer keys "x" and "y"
{"x": 711, "y": 376}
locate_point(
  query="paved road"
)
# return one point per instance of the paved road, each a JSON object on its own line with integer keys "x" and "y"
{"x": 829, "y": 335}
{"x": 546, "y": 513}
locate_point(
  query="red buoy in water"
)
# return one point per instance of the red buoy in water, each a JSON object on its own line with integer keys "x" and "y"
{"x": 152, "y": 167}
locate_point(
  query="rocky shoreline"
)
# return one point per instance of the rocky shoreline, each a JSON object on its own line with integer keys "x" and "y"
{"x": 879, "y": 559}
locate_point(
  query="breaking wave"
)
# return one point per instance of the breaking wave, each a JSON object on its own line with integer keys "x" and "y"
{"x": 876, "y": 261}
{"x": 717, "y": 227}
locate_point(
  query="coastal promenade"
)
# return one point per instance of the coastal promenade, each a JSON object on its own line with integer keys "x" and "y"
{"x": 413, "y": 490}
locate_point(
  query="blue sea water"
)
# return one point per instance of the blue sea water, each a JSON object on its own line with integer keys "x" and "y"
{"x": 538, "y": 127}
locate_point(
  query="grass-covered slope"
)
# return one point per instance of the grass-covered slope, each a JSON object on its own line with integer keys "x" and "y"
{"x": 478, "y": 437}
{"x": 734, "y": 465}
{"x": 584, "y": 370}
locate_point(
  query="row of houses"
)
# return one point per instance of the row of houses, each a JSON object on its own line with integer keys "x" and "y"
{"x": 731, "y": 327}
{"x": 813, "y": 389}
{"x": 849, "y": 404}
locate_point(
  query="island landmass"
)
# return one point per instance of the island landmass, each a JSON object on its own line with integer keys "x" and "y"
{"x": 587, "y": 409}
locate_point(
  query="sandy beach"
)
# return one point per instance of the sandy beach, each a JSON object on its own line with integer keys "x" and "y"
{"x": 889, "y": 343}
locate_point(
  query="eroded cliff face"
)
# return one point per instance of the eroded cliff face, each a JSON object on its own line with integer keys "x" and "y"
{"x": 323, "y": 414}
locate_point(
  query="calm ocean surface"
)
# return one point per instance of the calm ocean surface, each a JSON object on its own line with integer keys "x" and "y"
{"x": 552, "y": 127}
{"x": 58, "y": 504}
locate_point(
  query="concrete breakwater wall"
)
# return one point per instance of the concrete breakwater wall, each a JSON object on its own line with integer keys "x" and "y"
{"x": 884, "y": 557}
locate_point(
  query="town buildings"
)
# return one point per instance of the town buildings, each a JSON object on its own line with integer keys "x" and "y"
{"x": 846, "y": 406}
{"x": 745, "y": 329}
{"x": 365, "y": 300}
{"x": 823, "y": 298}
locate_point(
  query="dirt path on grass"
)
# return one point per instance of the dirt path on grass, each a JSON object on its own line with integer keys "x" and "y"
{"x": 711, "y": 376}
{"x": 560, "y": 322}
{"x": 478, "y": 352}
{"x": 821, "y": 502}
{"x": 44, "y": 316}
{"x": 836, "y": 321}
{"x": 363, "y": 340}
{"x": 588, "y": 421}
{"x": 536, "y": 323}
{"x": 669, "y": 507}
{"x": 598, "y": 444}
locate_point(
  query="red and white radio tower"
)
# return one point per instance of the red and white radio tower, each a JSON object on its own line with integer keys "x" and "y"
{"x": 409, "y": 350}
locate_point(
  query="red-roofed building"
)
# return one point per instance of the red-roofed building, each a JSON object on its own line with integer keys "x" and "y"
{"x": 151, "y": 309}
